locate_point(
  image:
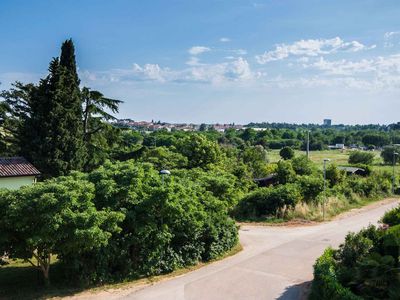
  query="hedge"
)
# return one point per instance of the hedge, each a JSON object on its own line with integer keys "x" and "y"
{"x": 325, "y": 285}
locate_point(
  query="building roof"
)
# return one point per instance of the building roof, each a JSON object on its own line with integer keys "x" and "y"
{"x": 16, "y": 166}
{"x": 351, "y": 169}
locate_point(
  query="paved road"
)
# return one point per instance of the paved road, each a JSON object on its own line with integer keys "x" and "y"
{"x": 274, "y": 264}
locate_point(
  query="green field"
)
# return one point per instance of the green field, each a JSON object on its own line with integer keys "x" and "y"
{"x": 338, "y": 157}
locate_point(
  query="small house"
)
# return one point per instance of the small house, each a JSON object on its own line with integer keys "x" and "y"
{"x": 266, "y": 181}
{"x": 16, "y": 172}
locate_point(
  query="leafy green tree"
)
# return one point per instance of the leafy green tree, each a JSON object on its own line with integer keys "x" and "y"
{"x": 271, "y": 201}
{"x": 303, "y": 166}
{"x": 199, "y": 151}
{"x": 14, "y": 111}
{"x": 285, "y": 172}
{"x": 164, "y": 158}
{"x": 334, "y": 175}
{"x": 361, "y": 157}
{"x": 256, "y": 158}
{"x": 310, "y": 187}
{"x": 286, "y": 153}
{"x": 98, "y": 135}
{"x": 50, "y": 218}
{"x": 388, "y": 154}
{"x": 376, "y": 139}
{"x": 203, "y": 127}
{"x": 168, "y": 225}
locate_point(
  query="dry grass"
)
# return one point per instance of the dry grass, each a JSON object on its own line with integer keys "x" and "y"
{"x": 333, "y": 207}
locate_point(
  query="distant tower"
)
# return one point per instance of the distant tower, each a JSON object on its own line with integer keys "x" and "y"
{"x": 327, "y": 122}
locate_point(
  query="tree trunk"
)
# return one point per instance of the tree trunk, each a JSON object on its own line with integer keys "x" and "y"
{"x": 44, "y": 266}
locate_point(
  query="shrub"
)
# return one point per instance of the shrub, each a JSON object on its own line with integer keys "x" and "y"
{"x": 166, "y": 226}
{"x": 270, "y": 201}
{"x": 334, "y": 175}
{"x": 392, "y": 217}
{"x": 310, "y": 187}
{"x": 366, "y": 266}
{"x": 303, "y": 166}
{"x": 361, "y": 157}
{"x": 387, "y": 154}
{"x": 326, "y": 285}
{"x": 286, "y": 153}
{"x": 285, "y": 172}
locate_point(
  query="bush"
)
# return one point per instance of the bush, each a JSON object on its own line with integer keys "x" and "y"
{"x": 326, "y": 285}
{"x": 366, "y": 266}
{"x": 334, "y": 175}
{"x": 303, "y": 166}
{"x": 310, "y": 187}
{"x": 387, "y": 154}
{"x": 361, "y": 157}
{"x": 167, "y": 226}
{"x": 272, "y": 201}
{"x": 392, "y": 217}
{"x": 285, "y": 172}
{"x": 286, "y": 153}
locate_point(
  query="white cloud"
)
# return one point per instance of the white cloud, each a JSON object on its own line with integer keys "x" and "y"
{"x": 311, "y": 47}
{"x": 193, "y": 61}
{"x": 379, "y": 66}
{"x": 391, "y": 38}
{"x": 224, "y": 40}
{"x": 236, "y": 70}
{"x": 196, "y": 50}
{"x": 151, "y": 72}
{"x": 239, "y": 51}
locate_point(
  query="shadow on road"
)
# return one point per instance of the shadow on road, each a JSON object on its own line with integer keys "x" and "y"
{"x": 297, "y": 292}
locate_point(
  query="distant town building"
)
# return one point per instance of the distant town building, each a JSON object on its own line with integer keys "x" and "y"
{"x": 327, "y": 122}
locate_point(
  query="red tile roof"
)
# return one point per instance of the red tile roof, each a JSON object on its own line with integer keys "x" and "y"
{"x": 16, "y": 166}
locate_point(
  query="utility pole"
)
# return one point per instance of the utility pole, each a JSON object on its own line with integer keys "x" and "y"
{"x": 323, "y": 205}
{"x": 394, "y": 173}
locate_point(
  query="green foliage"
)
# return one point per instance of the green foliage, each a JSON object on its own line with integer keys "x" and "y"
{"x": 164, "y": 158}
{"x": 166, "y": 226}
{"x": 56, "y": 217}
{"x": 303, "y": 166}
{"x": 388, "y": 154}
{"x": 199, "y": 151}
{"x": 47, "y": 124}
{"x": 376, "y": 139}
{"x": 325, "y": 285}
{"x": 53, "y": 134}
{"x": 334, "y": 175}
{"x": 372, "y": 186}
{"x": 285, "y": 172}
{"x": 310, "y": 186}
{"x": 255, "y": 157}
{"x": 361, "y": 157}
{"x": 377, "y": 277}
{"x": 392, "y": 217}
{"x": 286, "y": 153}
{"x": 270, "y": 201}
{"x": 366, "y": 266}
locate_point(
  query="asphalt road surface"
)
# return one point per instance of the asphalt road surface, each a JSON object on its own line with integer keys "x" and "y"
{"x": 276, "y": 263}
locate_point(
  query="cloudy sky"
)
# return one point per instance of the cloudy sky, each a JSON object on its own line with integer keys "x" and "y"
{"x": 218, "y": 61}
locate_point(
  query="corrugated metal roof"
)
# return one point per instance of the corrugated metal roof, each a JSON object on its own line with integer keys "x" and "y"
{"x": 16, "y": 166}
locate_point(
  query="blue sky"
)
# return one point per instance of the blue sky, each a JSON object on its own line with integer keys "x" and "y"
{"x": 218, "y": 61}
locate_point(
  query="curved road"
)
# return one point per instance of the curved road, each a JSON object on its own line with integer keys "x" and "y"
{"x": 274, "y": 264}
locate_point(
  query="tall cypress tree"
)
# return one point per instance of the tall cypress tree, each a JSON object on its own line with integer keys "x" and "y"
{"x": 54, "y": 135}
